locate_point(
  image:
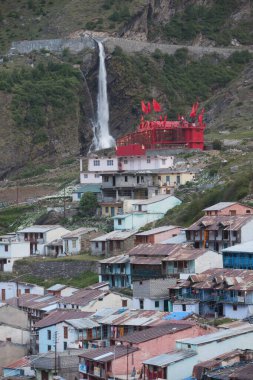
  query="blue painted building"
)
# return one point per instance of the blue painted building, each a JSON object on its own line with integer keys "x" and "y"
{"x": 145, "y": 211}
{"x": 117, "y": 271}
{"x": 239, "y": 256}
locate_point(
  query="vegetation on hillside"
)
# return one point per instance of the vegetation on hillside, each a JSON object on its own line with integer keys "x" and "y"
{"x": 238, "y": 187}
{"x": 41, "y": 95}
{"x": 178, "y": 78}
{"x": 213, "y": 21}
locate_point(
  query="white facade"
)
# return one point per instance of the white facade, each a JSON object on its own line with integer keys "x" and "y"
{"x": 103, "y": 164}
{"x": 146, "y": 162}
{"x": 90, "y": 177}
{"x": 149, "y": 304}
{"x": 39, "y": 236}
{"x": 15, "y": 334}
{"x": 237, "y": 311}
{"x": 190, "y": 308}
{"x": 247, "y": 232}
{"x": 209, "y": 259}
{"x": 11, "y": 251}
{"x": 10, "y": 289}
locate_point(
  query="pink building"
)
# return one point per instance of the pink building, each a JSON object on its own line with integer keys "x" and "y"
{"x": 130, "y": 351}
{"x": 228, "y": 208}
{"x": 156, "y": 235}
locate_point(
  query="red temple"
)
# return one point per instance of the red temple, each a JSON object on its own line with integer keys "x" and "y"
{"x": 164, "y": 134}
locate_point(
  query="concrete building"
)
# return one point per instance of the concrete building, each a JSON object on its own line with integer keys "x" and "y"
{"x": 66, "y": 365}
{"x": 84, "y": 188}
{"x": 111, "y": 208}
{"x": 117, "y": 271}
{"x": 57, "y": 327}
{"x": 9, "y": 289}
{"x": 156, "y": 235}
{"x": 12, "y": 249}
{"x": 220, "y": 231}
{"x": 78, "y": 240}
{"x": 38, "y": 236}
{"x": 239, "y": 256}
{"x": 14, "y": 325}
{"x": 11, "y": 350}
{"x": 152, "y": 294}
{"x": 113, "y": 243}
{"x": 228, "y": 208}
{"x": 179, "y": 364}
{"x": 184, "y": 259}
{"x": 61, "y": 290}
{"x": 145, "y": 211}
{"x": 20, "y": 368}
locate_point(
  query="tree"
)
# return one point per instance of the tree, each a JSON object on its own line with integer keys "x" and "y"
{"x": 88, "y": 204}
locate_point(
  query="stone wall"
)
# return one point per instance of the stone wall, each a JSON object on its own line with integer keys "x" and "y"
{"x": 56, "y": 269}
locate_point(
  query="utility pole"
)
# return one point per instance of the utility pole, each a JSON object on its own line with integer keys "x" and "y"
{"x": 127, "y": 362}
{"x": 64, "y": 202}
{"x": 55, "y": 353}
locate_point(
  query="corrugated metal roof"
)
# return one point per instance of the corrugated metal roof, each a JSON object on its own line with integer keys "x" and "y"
{"x": 115, "y": 235}
{"x": 82, "y": 323}
{"x": 179, "y": 239}
{"x": 88, "y": 187}
{"x": 165, "y": 359}
{"x": 151, "y": 250}
{"x": 57, "y": 287}
{"x": 78, "y": 232}
{"x": 34, "y": 301}
{"x": 219, "y": 206}
{"x": 20, "y": 363}
{"x": 58, "y": 316}
{"x": 154, "y": 332}
{"x": 217, "y": 336}
{"x": 146, "y": 260}
{"x": 39, "y": 228}
{"x": 83, "y": 297}
{"x": 108, "y": 353}
{"x": 185, "y": 254}
{"x": 244, "y": 247}
{"x": 156, "y": 198}
{"x": 121, "y": 259}
{"x": 157, "y": 230}
{"x": 213, "y": 223}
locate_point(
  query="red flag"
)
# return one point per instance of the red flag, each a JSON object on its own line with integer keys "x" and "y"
{"x": 144, "y": 108}
{"x": 201, "y": 115}
{"x": 156, "y": 106}
{"x": 149, "y": 108}
{"x": 194, "y": 110}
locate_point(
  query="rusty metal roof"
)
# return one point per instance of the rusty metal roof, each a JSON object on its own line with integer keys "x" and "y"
{"x": 185, "y": 253}
{"x": 146, "y": 260}
{"x": 58, "y": 316}
{"x": 157, "y": 230}
{"x": 213, "y": 223}
{"x": 121, "y": 259}
{"x": 151, "y": 250}
{"x": 107, "y": 354}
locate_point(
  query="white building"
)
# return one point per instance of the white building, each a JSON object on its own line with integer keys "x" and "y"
{"x": 10, "y": 289}
{"x": 12, "y": 249}
{"x": 78, "y": 240}
{"x": 98, "y": 165}
{"x": 38, "y": 236}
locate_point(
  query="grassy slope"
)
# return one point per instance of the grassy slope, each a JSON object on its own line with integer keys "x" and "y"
{"x": 37, "y": 19}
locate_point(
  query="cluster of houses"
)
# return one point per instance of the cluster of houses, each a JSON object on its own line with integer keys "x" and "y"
{"x": 179, "y": 278}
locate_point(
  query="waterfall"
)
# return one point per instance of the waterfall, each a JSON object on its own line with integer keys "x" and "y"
{"x": 102, "y": 138}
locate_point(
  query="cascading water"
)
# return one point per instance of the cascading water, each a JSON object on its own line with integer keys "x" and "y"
{"x": 102, "y": 138}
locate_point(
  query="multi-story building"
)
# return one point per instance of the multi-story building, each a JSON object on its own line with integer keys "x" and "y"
{"x": 39, "y": 236}
{"x": 78, "y": 240}
{"x": 220, "y": 231}
{"x": 117, "y": 271}
{"x": 10, "y": 289}
{"x": 225, "y": 292}
{"x": 113, "y": 243}
{"x": 228, "y": 208}
{"x": 12, "y": 249}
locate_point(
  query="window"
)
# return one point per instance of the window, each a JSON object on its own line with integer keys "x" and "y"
{"x": 167, "y": 178}
{"x": 141, "y": 304}
{"x": 73, "y": 306}
{"x": 96, "y": 162}
{"x": 49, "y": 348}
{"x": 178, "y": 179}
{"x": 106, "y": 178}
{"x": 125, "y": 161}
{"x": 119, "y": 222}
{"x": 148, "y": 160}
{"x": 163, "y": 161}
{"x": 73, "y": 243}
{"x": 107, "y": 210}
{"x": 85, "y": 175}
{"x": 49, "y": 335}
{"x": 124, "y": 303}
{"x": 183, "y": 307}
{"x": 96, "y": 244}
{"x": 156, "y": 303}
{"x": 159, "y": 178}
{"x": 126, "y": 179}
{"x": 27, "y": 291}
{"x": 118, "y": 244}
{"x": 247, "y": 211}
{"x": 6, "y": 248}
{"x": 97, "y": 175}
{"x": 109, "y": 162}
{"x": 65, "y": 345}
{"x": 234, "y": 307}
{"x": 65, "y": 332}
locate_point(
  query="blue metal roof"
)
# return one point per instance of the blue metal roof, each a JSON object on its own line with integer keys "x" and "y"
{"x": 88, "y": 187}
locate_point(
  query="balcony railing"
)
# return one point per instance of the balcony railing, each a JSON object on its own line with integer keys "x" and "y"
{"x": 215, "y": 297}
